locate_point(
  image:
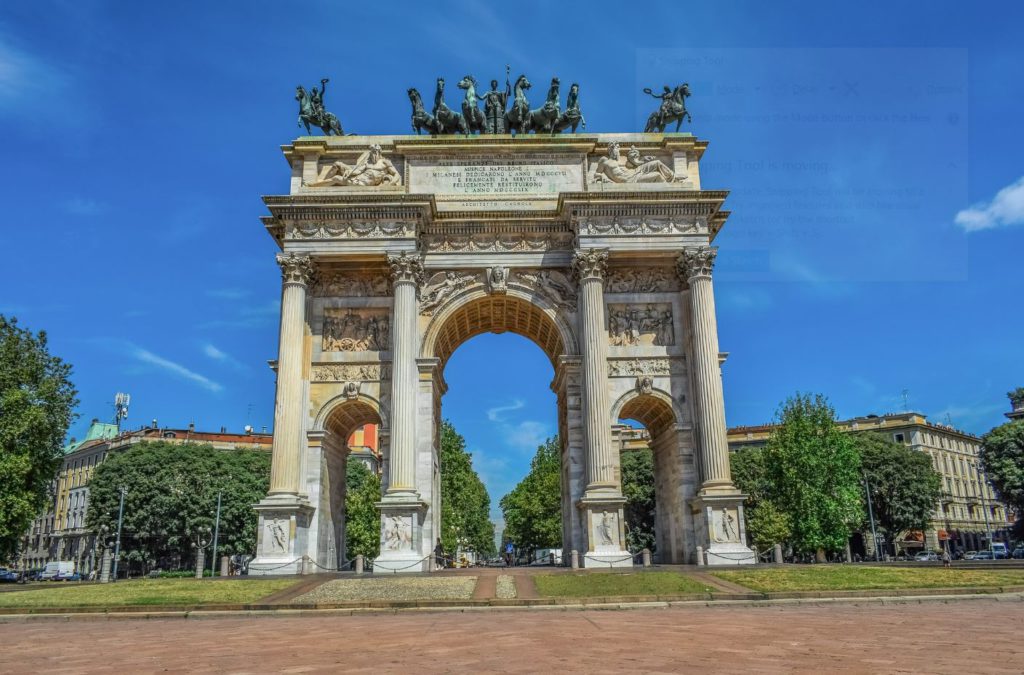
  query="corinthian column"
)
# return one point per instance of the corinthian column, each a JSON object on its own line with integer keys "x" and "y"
{"x": 589, "y": 267}
{"x": 406, "y": 273}
{"x": 695, "y": 266}
{"x": 296, "y": 273}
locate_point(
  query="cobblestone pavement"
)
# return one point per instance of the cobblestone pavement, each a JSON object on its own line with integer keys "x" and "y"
{"x": 389, "y": 588}
{"x": 976, "y": 636}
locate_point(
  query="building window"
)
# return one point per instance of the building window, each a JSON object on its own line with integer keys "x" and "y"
{"x": 898, "y": 438}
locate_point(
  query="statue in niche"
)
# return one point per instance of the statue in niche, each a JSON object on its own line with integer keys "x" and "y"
{"x": 636, "y": 168}
{"x": 278, "y": 536}
{"x": 672, "y": 109}
{"x": 397, "y": 533}
{"x": 451, "y": 282}
{"x": 371, "y": 169}
{"x": 606, "y": 529}
{"x": 351, "y": 389}
{"x": 353, "y": 332}
{"x": 311, "y": 110}
{"x": 727, "y": 527}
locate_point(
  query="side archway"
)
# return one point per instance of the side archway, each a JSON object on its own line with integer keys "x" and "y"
{"x": 674, "y": 472}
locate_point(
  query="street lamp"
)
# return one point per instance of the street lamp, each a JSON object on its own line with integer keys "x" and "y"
{"x": 203, "y": 539}
{"x": 120, "y": 519}
{"x": 984, "y": 509}
{"x": 871, "y": 513}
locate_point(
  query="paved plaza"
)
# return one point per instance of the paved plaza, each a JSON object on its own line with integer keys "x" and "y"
{"x": 977, "y": 636}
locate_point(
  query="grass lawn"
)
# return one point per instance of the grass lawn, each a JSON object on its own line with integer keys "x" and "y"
{"x": 599, "y": 584}
{"x": 146, "y": 592}
{"x": 853, "y": 578}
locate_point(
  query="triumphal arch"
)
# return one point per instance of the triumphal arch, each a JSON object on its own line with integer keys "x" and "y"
{"x": 397, "y": 249}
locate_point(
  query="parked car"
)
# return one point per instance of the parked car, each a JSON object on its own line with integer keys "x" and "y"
{"x": 1000, "y": 551}
{"x": 7, "y": 575}
{"x": 57, "y": 568}
{"x": 971, "y": 555}
{"x": 983, "y": 555}
{"x": 73, "y": 576}
{"x": 1018, "y": 553}
{"x": 926, "y": 556}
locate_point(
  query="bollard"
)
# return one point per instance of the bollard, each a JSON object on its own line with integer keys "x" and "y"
{"x": 305, "y": 567}
{"x": 105, "y": 567}
{"x": 575, "y": 558}
{"x": 778, "y": 553}
{"x": 200, "y": 563}
{"x": 225, "y": 565}
{"x": 551, "y": 558}
{"x": 700, "y": 556}
{"x": 645, "y": 556}
{"x": 359, "y": 564}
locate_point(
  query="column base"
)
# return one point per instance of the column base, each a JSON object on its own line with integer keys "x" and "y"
{"x": 283, "y": 535}
{"x": 606, "y": 531}
{"x": 720, "y": 528}
{"x": 401, "y": 535}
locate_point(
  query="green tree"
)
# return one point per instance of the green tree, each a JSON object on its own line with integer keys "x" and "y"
{"x": 533, "y": 509}
{"x": 814, "y": 472}
{"x": 362, "y": 519}
{"x": 767, "y": 525}
{"x": 171, "y": 492}
{"x": 638, "y": 489}
{"x": 465, "y": 504}
{"x": 36, "y": 404}
{"x": 1002, "y": 459}
{"x": 904, "y": 486}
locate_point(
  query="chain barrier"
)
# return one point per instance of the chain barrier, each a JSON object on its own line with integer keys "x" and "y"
{"x": 611, "y": 563}
{"x": 277, "y": 567}
{"x": 396, "y": 570}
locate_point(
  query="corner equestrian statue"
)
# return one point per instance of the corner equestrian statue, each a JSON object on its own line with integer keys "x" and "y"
{"x": 673, "y": 109}
{"x": 311, "y": 110}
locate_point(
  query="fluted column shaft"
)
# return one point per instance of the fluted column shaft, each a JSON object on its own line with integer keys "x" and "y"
{"x": 589, "y": 267}
{"x": 695, "y": 267}
{"x": 286, "y": 460}
{"x": 406, "y": 273}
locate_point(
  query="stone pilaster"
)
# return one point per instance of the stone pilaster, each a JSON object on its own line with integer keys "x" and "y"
{"x": 601, "y": 505}
{"x": 402, "y": 508}
{"x": 297, "y": 272}
{"x": 695, "y": 267}
{"x": 589, "y": 267}
{"x": 284, "y": 514}
{"x": 718, "y": 508}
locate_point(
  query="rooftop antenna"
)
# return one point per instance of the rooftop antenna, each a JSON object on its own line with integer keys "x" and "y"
{"x": 949, "y": 420}
{"x": 906, "y": 397}
{"x": 121, "y": 402}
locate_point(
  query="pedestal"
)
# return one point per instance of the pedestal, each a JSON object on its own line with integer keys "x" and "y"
{"x": 606, "y": 532}
{"x": 283, "y": 535}
{"x": 718, "y": 522}
{"x": 401, "y": 537}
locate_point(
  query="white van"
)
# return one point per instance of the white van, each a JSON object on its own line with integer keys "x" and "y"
{"x": 999, "y": 550}
{"x": 57, "y": 568}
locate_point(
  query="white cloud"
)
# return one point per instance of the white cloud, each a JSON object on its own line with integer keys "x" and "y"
{"x": 216, "y": 354}
{"x": 526, "y": 435}
{"x": 1005, "y": 209}
{"x": 497, "y": 414}
{"x": 148, "y": 357}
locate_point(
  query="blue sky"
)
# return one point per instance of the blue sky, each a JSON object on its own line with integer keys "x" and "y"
{"x": 872, "y": 152}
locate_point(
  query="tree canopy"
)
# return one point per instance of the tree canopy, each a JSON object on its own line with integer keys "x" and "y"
{"x": 533, "y": 509}
{"x": 638, "y": 489}
{"x": 465, "y": 504}
{"x": 172, "y": 492}
{"x": 767, "y": 524}
{"x": 814, "y": 472}
{"x": 1002, "y": 459}
{"x": 904, "y": 486}
{"x": 37, "y": 401}
{"x": 362, "y": 519}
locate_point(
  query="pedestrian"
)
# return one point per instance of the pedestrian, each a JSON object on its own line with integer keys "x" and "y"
{"x": 945, "y": 557}
{"x": 509, "y": 554}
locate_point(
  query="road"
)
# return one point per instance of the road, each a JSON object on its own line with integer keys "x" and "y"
{"x": 976, "y": 636}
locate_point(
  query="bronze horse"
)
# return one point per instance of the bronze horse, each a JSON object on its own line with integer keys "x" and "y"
{"x": 308, "y": 113}
{"x": 676, "y": 104}
{"x": 421, "y": 119}
{"x": 448, "y": 121}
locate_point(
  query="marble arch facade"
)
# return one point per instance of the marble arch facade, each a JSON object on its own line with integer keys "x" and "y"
{"x": 605, "y": 262}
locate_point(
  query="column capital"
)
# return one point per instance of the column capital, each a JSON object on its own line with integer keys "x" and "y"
{"x": 696, "y": 262}
{"x": 590, "y": 263}
{"x": 296, "y": 269}
{"x": 406, "y": 267}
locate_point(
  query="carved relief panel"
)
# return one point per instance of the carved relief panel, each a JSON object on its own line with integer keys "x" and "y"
{"x": 640, "y": 325}
{"x": 356, "y": 330}
{"x": 396, "y": 533}
{"x": 351, "y": 284}
{"x": 639, "y": 280}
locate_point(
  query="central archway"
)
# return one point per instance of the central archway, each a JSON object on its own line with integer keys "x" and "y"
{"x": 476, "y": 312}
